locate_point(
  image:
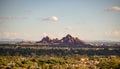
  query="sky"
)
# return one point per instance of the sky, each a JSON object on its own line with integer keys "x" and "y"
{"x": 34, "y": 19}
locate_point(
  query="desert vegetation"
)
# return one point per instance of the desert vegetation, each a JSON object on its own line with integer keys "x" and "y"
{"x": 44, "y": 57}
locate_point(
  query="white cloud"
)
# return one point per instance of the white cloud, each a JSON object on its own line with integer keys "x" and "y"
{"x": 114, "y": 8}
{"x": 9, "y": 34}
{"x": 15, "y": 35}
{"x": 52, "y": 18}
{"x": 115, "y": 33}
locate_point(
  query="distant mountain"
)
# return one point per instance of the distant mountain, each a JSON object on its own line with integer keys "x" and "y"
{"x": 46, "y": 40}
{"x": 67, "y": 40}
{"x": 10, "y": 40}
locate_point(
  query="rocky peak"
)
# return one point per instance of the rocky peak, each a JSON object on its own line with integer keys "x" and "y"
{"x": 69, "y": 40}
{"x": 46, "y": 39}
{"x": 56, "y": 40}
{"x": 68, "y": 36}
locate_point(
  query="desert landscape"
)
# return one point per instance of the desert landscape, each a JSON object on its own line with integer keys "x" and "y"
{"x": 59, "y": 34}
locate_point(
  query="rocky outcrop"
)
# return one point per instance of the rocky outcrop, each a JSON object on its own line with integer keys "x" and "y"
{"x": 46, "y": 40}
{"x": 67, "y": 40}
{"x": 56, "y": 40}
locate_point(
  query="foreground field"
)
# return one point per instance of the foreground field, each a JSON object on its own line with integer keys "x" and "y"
{"x": 53, "y": 62}
{"x": 31, "y": 57}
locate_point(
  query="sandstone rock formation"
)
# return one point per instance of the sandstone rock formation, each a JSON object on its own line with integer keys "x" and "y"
{"x": 67, "y": 40}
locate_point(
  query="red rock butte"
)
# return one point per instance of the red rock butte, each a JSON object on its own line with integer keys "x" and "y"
{"x": 67, "y": 40}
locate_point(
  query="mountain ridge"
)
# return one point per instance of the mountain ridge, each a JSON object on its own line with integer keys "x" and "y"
{"x": 67, "y": 40}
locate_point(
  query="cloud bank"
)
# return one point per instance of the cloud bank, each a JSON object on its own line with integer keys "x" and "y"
{"x": 115, "y": 33}
{"x": 15, "y": 35}
{"x": 114, "y": 8}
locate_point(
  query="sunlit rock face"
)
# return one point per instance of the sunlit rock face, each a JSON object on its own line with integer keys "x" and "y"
{"x": 67, "y": 40}
{"x": 46, "y": 39}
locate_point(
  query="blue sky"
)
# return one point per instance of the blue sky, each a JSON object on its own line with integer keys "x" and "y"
{"x": 86, "y": 19}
